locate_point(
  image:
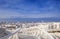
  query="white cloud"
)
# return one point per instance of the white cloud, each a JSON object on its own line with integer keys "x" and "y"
{"x": 39, "y": 15}
{"x": 4, "y": 13}
{"x": 9, "y": 13}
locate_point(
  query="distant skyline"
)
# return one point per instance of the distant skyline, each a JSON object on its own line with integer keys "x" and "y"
{"x": 29, "y": 8}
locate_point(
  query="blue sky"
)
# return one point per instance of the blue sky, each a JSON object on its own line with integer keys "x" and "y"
{"x": 29, "y": 8}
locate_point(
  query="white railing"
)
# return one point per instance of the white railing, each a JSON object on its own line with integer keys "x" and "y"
{"x": 9, "y": 35}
